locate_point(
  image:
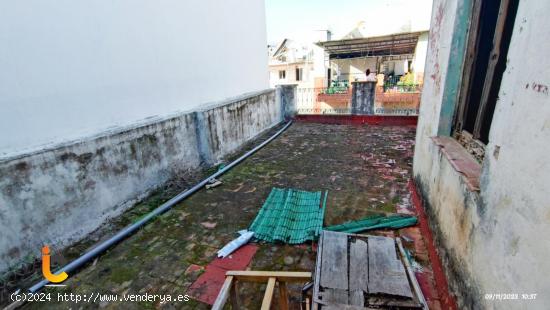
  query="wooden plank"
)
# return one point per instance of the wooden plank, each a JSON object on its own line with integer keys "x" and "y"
{"x": 392, "y": 303}
{"x": 268, "y": 296}
{"x": 334, "y": 296}
{"x": 493, "y": 60}
{"x": 346, "y": 307}
{"x": 386, "y": 272}
{"x": 315, "y": 296}
{"x": 467, "y": 74}
{"x": 334, "y": 263}
{"x": 283, "y": 296}
{"x": 262, "y": 276}
{"x": 356, "y": 298}
{"x": 358, "y": 271}
{"x": 234, "y": 296}
{"x": 223, "y": 295}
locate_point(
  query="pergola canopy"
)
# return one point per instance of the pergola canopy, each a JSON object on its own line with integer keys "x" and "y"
{"x": 388, "y": 45}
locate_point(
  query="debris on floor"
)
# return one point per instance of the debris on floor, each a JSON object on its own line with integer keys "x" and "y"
{"x": 290, "y": 216}
{"x": 237, "y": 243}
{"x": 394, "y": 221}
{"x": 208, "y": 285}
{"x": 362, "y": 271}
{"x": 209, "y": 225}
{"x": 213, "y": 183}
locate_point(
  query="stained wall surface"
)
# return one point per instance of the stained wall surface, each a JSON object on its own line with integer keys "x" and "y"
{"x": 492, "y": 240}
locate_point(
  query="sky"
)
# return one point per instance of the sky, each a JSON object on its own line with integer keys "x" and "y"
{"x": 300, "y": 19}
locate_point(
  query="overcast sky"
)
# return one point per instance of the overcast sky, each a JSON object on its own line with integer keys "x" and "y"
{"x": 298, "y": 19}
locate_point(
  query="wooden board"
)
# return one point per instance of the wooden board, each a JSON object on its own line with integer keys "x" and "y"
{"x": 345, "y": 307}
{"x": 261, "y": 276}
{"x": 334, "y": 261}
{"x": 268, "y": 295}
{"x": 386, "y": 272}
{"x": 376, "y": 275}
{"x": 334, "y": 296}
{"x": 317, "y": 275}
{"x": 224, "y": 294}
{"x": 358, "y": 271}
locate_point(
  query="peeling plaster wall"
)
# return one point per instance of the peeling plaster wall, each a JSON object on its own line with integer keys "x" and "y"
{"x": 493, "y": 241}
{"x": 59, "y": 195}
{"x": 226, "y": 129}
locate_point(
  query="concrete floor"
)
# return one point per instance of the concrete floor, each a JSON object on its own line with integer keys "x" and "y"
{"x": 364, "y": 168}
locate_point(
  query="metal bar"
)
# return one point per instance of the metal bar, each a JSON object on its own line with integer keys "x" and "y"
{"x": 414, "y": 282}
{"x": 124, "y": 233}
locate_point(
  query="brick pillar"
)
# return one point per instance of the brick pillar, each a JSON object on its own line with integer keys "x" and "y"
{"x": 362, "y": 98}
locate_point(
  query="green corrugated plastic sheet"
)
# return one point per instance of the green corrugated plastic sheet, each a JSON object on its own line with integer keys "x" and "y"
{"x": 290, "y": 216}
{"x": 375, "y": 222}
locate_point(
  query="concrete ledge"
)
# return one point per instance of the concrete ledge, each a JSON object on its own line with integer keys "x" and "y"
{"x": 462, "y": 161}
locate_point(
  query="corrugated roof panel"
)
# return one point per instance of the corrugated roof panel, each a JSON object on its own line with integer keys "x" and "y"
{"x": 290, "y": 216}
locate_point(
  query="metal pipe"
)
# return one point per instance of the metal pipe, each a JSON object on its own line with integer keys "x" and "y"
{"x": 412, "y": 277}
{"x": 159, "y": 210}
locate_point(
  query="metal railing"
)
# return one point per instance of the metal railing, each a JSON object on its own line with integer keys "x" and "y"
{"x": 348, "y": 111}
{"x": 337, "y": 100}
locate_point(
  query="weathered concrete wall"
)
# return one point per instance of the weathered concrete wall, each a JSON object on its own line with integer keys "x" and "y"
{"x": 362, "y": 98}
{"x": 231, "y": 124}
{"x": 59, "y": 195}
{"x": 492, "y": 241}
{"x": 287, "y": 94}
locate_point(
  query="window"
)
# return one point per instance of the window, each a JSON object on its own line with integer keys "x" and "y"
{"x": 488, "y": 42}
{"x": 282, "y": 74}
{"x": 298, "y": 74}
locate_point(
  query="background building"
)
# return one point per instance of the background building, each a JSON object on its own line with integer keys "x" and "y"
{"x": 293, "y": 62}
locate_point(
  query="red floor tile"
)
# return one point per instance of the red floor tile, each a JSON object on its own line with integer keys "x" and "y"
{"x": 208, "y": 285}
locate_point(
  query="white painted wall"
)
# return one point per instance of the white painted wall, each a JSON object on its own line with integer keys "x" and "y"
{"x": 419, "y": 60}
{"x": 354, "y": 68}
{"x": 70, "y": 69}
{"x": 497, "y": 236}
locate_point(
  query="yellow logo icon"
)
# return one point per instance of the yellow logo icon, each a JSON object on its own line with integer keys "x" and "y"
{"x": 54, "y": 278}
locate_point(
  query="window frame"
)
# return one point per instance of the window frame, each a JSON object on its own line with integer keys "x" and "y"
{"x": 471, "y": 140}
{"x": 299, "y": 74}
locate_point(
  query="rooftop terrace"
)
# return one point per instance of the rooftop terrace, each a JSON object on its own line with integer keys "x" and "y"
{"x": 365, "y": 168}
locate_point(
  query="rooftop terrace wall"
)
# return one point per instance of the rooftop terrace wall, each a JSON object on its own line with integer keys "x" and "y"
{"x": 59, "y": 195}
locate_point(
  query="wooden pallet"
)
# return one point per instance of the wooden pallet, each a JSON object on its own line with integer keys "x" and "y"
{"x": 358, "y": 272}
{"x": 229, "y": 288}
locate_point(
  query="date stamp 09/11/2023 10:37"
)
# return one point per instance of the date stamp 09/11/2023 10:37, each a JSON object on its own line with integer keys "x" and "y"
{"x": 510, "y": 296}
